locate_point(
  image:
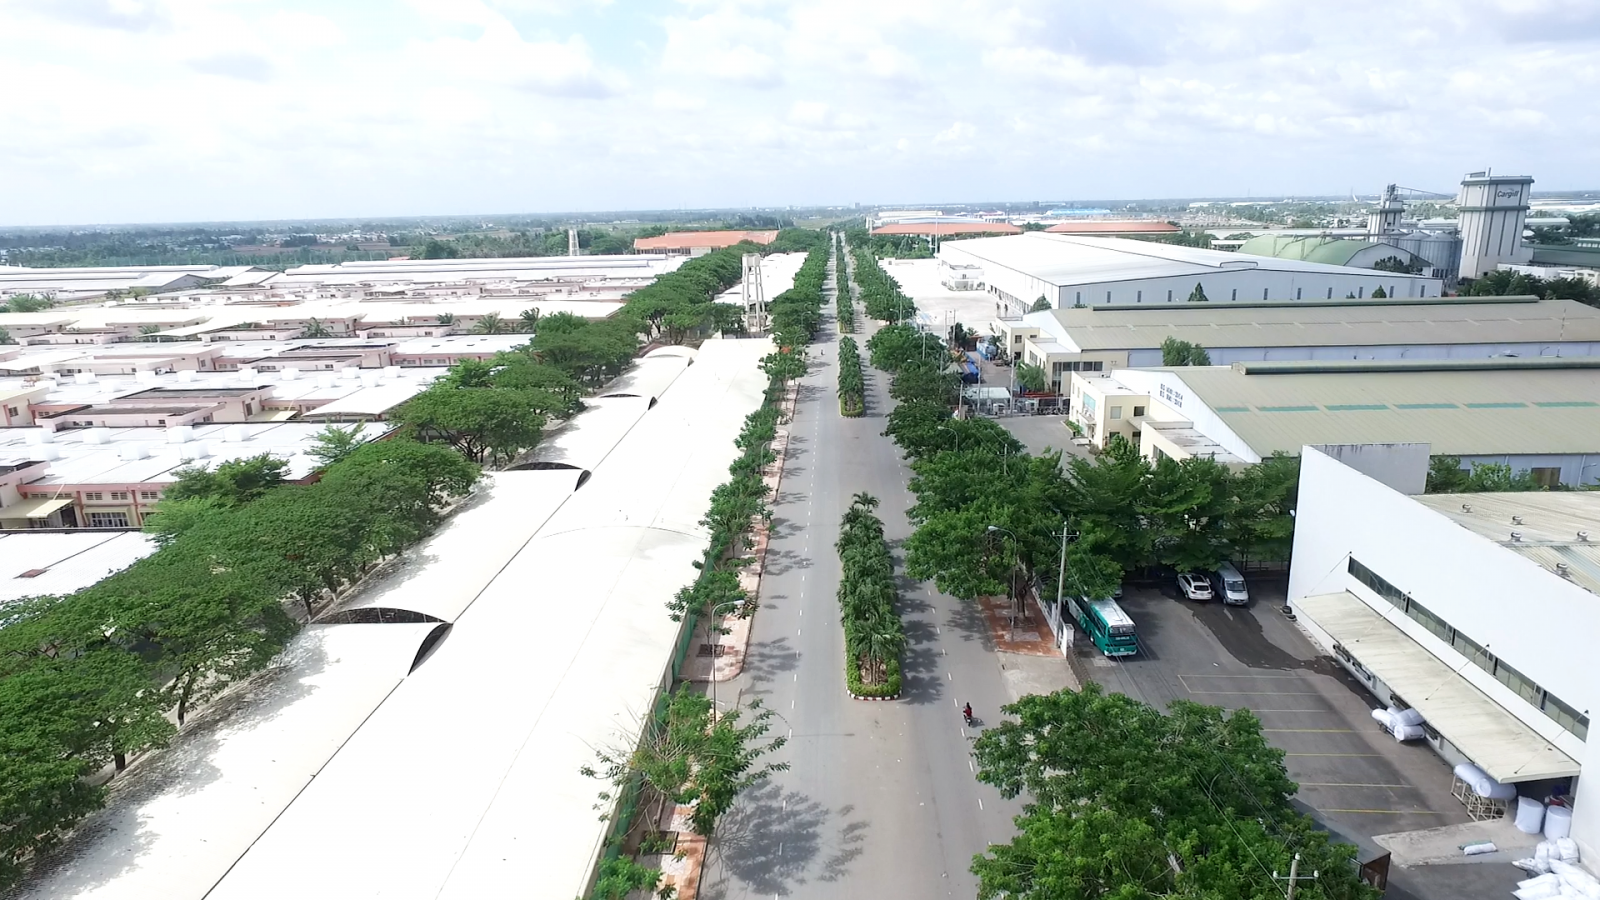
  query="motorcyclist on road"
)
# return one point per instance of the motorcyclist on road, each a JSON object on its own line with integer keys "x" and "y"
{"x": 966, "y": 713}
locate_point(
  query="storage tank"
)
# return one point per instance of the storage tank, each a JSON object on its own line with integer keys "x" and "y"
{"x": 1494, "y": 210}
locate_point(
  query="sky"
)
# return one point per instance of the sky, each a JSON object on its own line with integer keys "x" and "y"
{"x": 207, "y": 110}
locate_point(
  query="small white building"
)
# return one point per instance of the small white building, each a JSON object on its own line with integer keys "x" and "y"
{"x": 1072, "y": 270}
{"x": 1478, "y": 610}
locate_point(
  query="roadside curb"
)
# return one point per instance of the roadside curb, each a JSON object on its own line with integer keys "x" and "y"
{"x": 859, "y": 697}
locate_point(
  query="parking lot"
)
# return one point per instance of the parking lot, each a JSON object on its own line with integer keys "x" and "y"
{"x": 1356, "y": 777}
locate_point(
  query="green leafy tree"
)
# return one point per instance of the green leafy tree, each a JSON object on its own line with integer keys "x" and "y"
{"x": 490, "y": 324}
{"x": 232, "y": 483}
{"x": 27, "y": 303}
{"x": 481, "y": 423}
{"x": 5, "y": 336}
{"x": 695, "y": 757}
{"x": 1040, "y": 305}
{"x": 1032, "y": 378}
{"x": 1198, "y": 295}
{"x": 528, "y": 320}
{"x": 172, "y": 517}
{"x": 1128, "y": 802}
{"x": 1399, "y": 266}
{"x": 315, "y": 329}
{"x": 1446, "y": 475}
{"x": 1182, "y": 353}
{"x": 1378, "y": 293}
{"x": 445, "y": 318}
{"x": 333, "y": 443}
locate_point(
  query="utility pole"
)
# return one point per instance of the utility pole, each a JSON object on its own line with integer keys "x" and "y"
{"x": 1294, "y": 876}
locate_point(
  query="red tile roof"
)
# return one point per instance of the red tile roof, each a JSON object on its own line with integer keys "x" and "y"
{"x": 716, "y": 240}
{"x": 1101, "y": 226}
{"x": 941, "y": 229}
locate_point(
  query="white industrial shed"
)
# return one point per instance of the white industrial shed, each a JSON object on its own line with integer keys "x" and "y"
{"x": 1070, "y": 270}
{"x": 1476, "y": 609}
{"x": 375, "y": 763}
{"x": 465, "y": 782}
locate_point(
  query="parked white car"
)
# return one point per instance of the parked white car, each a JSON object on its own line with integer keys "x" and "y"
{"x": 1194, "y": 586}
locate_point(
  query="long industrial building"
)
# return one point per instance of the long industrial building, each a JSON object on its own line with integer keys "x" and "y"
{"x": 425, "y": 740}
{"x": 1540, "y": 415}
{"x": 1100, "y": 338}
{"x": 1071, "y": 270}
{"x": 1477, "y": 610}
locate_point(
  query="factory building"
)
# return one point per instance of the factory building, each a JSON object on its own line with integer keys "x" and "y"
{"x": 1071, "y": 271}
{"x": 1534, "y": 415}
{"x": 1101, "y": 338}
{"x": 1494, "y": 211}
{"x": 1476, "y": 610}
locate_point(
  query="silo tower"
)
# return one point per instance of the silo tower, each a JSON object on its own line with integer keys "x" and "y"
{"x": 1386, "y": 218}
{"x": 1494, "y": 210}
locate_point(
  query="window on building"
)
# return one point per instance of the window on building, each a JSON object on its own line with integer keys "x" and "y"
{"x": 1378, "y": 585}
{"x": 1473, "y": 651}
{"x": 1234, "y": 295}
{"x": 1330, "y": 293}
{"x": 1298, "y": 292}
{"x": 1116, "y": 412}
{"x": 1169, "y": 296}
{"x": 1519, "y": 683}
{"x": 149, "y": 495}
{"x": 1361, "y": 293}
{"x": 1138, "y": 296}
{"x": 1263, "y": 293}
{"x": 1108, "y": 296}
{"x": 108, "y": 520}
{"x": 93, "y": 495}
{"x": 1079, "y": 299}
{"x": 1547, "y": 476}
{"x": 1433, "y": 623}
{"x": 1138, "y": 411}
{"x": 1567, "y": 717}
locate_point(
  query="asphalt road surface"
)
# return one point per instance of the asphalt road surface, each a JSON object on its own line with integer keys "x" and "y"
{"x": 880, "y": 800}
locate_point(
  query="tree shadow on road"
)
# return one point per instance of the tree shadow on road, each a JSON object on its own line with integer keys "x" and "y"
{"x": 779, "y": 562}
{"x": 919, "y": 664}
{"x": 774, "y": 840}
{"x": 967, "y": 621}
{"x": 766, "y": 660}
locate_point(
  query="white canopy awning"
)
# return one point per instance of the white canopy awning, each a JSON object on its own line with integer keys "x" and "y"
{"x": 1498, "y": 742}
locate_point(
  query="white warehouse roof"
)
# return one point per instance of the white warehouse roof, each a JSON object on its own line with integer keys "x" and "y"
{"x": 1063, "y": 259}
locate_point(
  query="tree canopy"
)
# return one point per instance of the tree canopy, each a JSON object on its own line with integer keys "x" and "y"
{"x": 1127, "y": 802}
{"x": 1182, "y": 353}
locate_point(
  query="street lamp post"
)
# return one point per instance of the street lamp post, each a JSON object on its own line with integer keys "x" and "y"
{"x": 1011, "y": 575}
{"x": 1061, "y": 574}
{"x": 716, "y": 711}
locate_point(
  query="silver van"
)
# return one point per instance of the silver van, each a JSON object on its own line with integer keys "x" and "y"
{"x": 1231, "y": 585}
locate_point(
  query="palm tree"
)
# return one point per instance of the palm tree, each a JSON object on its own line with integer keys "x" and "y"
{"x": 447, "y": 319}
{"x": 530, "y": 320}
{"x": 864, "y": 500}
{"x": 315, "y": 329}
{"x": 490, "y": 324}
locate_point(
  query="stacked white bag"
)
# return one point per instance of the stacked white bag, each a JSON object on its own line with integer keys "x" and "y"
{"x": 1563, "y": 878}
{"x": 1404, "y": 724}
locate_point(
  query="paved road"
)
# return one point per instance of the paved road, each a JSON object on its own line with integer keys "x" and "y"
{"x": 880, "y": 800}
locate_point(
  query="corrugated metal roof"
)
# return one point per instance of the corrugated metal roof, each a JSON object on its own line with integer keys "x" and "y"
{"x": 685, "y": 240}
{"x": 1066, "y": 259}
{"x": 1498, "y": 742}
{"x": 1350, "y": 323}
{"x": 945, "y": 228}
{"x": 1467, "y": 412}
{"x": 1549, "y": 525}
{"x": 1102, "y": 226}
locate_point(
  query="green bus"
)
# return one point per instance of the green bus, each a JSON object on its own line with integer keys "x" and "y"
{"x": 1107, "y": 625}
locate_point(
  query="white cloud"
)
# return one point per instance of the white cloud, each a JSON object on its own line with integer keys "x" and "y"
{"x": 438, "y": 106}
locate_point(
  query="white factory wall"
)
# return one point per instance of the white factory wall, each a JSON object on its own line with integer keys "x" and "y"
{"x": 1540, "y": 624}
{"x": 1224, "y": 356}
{"x": 1183, "y": 403}
{"x": 1576, "y": 468}
{"x": 1022, "y": 288}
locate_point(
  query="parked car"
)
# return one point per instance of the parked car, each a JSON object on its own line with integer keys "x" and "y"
{"x": 1194, "y": 586}
{"x": 1231, "y": 585}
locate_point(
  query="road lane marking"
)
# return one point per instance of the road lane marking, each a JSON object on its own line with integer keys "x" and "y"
{"x": 970, "y": 766}
{"x": 1360, "y": 755}
{"x": 1349, "y": 784}
{"x": 980, "y": 803}
{"x": 1311, "y": 730}
{"x": 949, "y": 677}
{"x": 1387, "y": 812}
